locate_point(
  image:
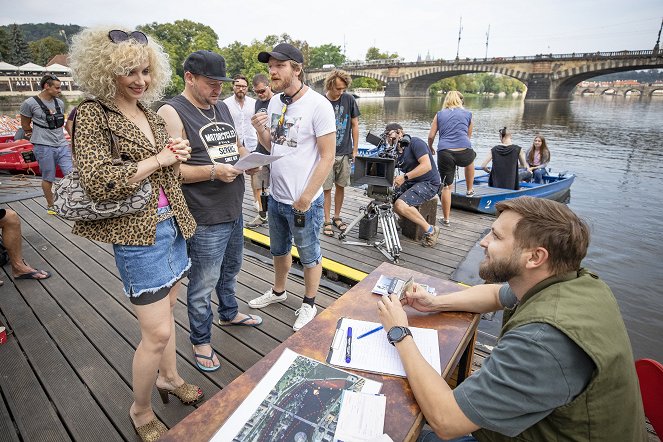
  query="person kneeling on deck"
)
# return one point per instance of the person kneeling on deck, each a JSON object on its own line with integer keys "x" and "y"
{"x": 563, "y": 366}
{"x": 419, "y": 182}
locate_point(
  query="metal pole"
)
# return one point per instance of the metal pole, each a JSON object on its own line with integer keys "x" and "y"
{"x": 658, "y": 39}
{"x": 487, "y": 37}
{"x": 460, "y": 29}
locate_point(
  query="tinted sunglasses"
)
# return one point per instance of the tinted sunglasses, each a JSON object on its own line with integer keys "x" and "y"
{"x": 259, "y": 91}
{"x": 118, "y": 36}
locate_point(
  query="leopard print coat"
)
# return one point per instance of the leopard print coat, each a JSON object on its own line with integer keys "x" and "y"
{"x": 104, "y": 181}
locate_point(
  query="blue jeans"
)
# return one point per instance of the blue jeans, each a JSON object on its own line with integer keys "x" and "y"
{"x": 49, "y": 157}
{"x": 538, "y": 175}
{"x": 216, "y": 259}
{"x": 427, "y": 435}
{"x": 282, "y": 231}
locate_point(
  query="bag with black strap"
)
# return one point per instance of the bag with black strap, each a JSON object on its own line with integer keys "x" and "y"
{"x": 72, "y": 203}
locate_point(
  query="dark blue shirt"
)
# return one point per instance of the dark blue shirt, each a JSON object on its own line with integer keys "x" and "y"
{"x": 409, "y": 160}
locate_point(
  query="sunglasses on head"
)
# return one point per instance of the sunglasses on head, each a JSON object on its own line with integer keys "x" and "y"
{"x": 118, "y": 36}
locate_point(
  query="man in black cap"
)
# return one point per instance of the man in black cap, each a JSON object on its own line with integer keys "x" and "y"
{"x": 419, "y": 182}
{"x": 214, "y": 190}
{"x": 299, "y": 124}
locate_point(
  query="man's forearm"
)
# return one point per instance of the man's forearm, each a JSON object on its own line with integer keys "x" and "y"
{"x": 196, "y": 174}
{"x": 481, "y": 298}
{"x": 265, "y": 137}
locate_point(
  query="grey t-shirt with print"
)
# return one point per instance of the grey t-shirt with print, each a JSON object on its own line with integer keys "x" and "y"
{"x": 40, "y": 135}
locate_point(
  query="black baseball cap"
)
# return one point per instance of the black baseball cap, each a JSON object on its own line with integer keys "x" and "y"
{"x": 392, "y": 126}
{"x": 282, "y": 51}
{"x": 208, "y": 64}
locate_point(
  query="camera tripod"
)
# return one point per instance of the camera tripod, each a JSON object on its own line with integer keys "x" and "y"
{"x": 390, "y": 245}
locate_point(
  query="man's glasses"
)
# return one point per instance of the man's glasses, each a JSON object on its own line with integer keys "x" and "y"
{"x": 259, "y": 91}
{"x": 240, "y": 86}
{"x": 117, "y": 36}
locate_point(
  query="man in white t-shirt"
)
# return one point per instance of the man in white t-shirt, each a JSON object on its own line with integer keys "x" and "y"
{"x": 299, "y": 124}
{"x": 242, "y": 109}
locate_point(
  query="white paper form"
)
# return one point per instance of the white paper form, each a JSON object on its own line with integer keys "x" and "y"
{"x": 375, "y": 354}
{"x": 255, "y": 159}
{"x": 361, "y": 418}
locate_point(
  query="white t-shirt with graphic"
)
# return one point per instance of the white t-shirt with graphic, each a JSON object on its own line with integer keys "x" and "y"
{"x": 295, "y": 136}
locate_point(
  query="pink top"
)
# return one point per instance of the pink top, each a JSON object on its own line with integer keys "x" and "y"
{"x": 163, "y": 199}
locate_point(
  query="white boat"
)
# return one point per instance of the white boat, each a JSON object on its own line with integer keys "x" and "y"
{"x": 362, "y": 92}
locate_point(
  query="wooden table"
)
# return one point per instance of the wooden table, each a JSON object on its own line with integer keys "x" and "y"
{"x": 403, "y": 418}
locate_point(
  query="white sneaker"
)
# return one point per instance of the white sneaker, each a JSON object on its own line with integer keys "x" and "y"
{"x": 267, "y": 298}
{"x": 305, "y": 314}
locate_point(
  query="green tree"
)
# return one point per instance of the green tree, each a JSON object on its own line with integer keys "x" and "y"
{"x": 374, "y": 53}
{"x": 234, "y": 55}
{"x": 365, "y": 82}
{"x": 326, "y": 54}
{"x": 4, "y": 45}
{"x": 19, "y": 53}
{"x": 179, "y": 39}
{"x": 46, "y": 48}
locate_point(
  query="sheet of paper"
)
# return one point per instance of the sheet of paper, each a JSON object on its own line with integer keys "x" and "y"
{"x": 361, "y": 418}
{"x": 375, "y": 354}
{"x": 284, "y": 388}
{"x": 255, "y": 159}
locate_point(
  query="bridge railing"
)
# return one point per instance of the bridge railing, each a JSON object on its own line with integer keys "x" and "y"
{"x": 526, "y": 58}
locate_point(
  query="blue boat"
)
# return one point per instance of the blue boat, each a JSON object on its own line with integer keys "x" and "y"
{"x": 554, "y": 187}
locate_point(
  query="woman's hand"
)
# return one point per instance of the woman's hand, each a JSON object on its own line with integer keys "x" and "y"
{"x": 176, "y": 151}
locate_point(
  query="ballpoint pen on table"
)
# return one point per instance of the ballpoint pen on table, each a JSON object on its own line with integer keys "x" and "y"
{"x": 370, "y": 332}
{"x": 348, "y": 346}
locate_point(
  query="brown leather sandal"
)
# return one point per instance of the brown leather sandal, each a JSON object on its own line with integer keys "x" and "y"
{"x": 187, "y": 393}
{"x": 327, "y": 229}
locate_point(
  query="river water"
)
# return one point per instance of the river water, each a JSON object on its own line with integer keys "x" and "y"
{"x": 614, "y": 145}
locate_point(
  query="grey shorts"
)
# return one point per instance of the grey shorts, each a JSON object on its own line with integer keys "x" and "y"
{"x": 49, "y": 157}
{"x": 339, "y": 174}
{"x": 416, "y": 193}
{"x": 259, "y": 178}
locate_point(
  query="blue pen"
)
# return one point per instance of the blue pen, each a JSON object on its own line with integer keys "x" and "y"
{"x": 370, "y": 332}
{"x": 348, "y": 346}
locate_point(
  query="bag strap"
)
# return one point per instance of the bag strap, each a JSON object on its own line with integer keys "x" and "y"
{"x": 115, "y": 153}
{"x": 46, "y": 110}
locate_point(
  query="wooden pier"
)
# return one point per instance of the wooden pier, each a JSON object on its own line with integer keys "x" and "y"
{"x": 65, "y": 371}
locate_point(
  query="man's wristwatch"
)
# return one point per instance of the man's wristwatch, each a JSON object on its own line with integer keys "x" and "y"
{"x": 397, "y": 334}
{"x": 406, "y": 177}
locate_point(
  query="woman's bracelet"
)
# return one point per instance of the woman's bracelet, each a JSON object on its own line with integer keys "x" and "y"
{"x": 212, "y": 173}
{"x": 158, "y": 162}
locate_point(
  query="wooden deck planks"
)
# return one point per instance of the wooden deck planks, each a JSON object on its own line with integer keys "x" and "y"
{"x": 75, "y": 333}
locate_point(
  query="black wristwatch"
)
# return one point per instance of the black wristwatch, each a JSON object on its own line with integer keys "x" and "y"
{"x": 405, "y": 176}
{"x": 397, "y": 334}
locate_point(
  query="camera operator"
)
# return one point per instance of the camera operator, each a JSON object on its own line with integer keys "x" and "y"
{"x": 419, "y": 182}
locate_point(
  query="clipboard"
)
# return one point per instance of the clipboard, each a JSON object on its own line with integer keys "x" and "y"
{"x": 374, "y": 353}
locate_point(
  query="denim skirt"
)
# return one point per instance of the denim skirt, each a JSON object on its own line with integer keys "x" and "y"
{"x": 146, "y": 270}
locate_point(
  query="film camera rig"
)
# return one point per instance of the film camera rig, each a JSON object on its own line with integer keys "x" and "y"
{"x": 378, "y": 173}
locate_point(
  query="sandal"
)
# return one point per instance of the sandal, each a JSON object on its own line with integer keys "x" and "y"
{"x": 187, "y": 393}
{"x": 339, "y": 224}
{"x": 327, "y": 229}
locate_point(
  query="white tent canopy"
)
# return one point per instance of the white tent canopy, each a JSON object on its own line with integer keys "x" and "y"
{"x": 4, "y": 66}
{"x": 31, "y": 67}
{"x": 55, "y": 67}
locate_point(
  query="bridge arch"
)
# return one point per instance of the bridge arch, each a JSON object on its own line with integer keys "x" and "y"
{"x": 316, "y": 80}
{"x": 418, "y": 82}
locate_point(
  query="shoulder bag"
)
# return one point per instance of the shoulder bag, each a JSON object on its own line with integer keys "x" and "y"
{"x": 72, "y": 203}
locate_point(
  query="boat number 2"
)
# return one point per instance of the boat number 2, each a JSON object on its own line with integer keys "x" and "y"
{"x": 488, "y": 203}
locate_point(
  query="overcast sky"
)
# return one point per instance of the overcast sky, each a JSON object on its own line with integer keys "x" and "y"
{"x": 410, "y": 28}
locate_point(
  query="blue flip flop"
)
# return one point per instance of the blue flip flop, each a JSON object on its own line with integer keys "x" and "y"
{"x": 210, "y": 358}
{"x": 244, "y": 321}
{"x": 34, "y": 275}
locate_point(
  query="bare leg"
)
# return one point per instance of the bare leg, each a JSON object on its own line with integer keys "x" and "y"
{"x": 281, "y": 268}
{"x": 11, "y": 238}
{"x": 469, "y": 177}
{"x": 327, "y": 203}
{"x": 256, "y": 197}
{"x": 168, "y": 377}
{"x": 411, "y": 213}
{"x": 312, "y": 280}
{"x": 338, "y": 201}
{"x": 156, "y": 326}
{"x": 446, "y": 201}
{"x": 47, "y": 188}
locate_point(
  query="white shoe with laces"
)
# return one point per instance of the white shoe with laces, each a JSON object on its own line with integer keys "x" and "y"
{"x": 267, "y": 298}
{"x": 305, "y": 314}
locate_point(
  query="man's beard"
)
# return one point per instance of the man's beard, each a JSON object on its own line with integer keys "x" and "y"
{"x": 285, "y": 83}
{"x": 493, "y": 271}
{"x": 240, "y": 95}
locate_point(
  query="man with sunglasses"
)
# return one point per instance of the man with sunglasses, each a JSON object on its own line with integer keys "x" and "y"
{"x": 260, "y": 181}
{"x": 300, "y": 124}
{"x": 214, "y": 190}
{"x": 42, "y": 118}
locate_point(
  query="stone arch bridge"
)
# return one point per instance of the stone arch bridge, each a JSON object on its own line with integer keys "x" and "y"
{"x": 642, "y": 90}
{"x": 547, "y": 77}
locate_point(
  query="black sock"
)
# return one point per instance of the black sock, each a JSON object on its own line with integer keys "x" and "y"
{"x": 309, "y": 301}
{"x": 277, "y": 293}
{"x": 262, "y": 214}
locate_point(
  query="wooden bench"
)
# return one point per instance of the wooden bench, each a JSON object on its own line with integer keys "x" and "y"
{"x": 429, "y": 211}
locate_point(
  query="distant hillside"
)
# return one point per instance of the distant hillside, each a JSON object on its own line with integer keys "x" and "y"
{"x": 36, "y": 31}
